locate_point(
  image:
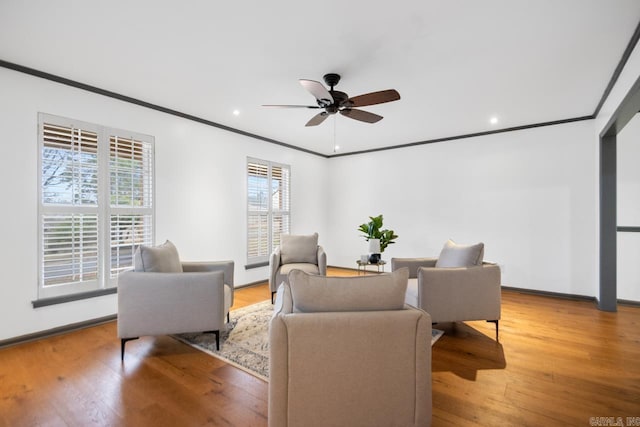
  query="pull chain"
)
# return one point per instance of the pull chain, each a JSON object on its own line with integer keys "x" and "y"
{"x": 335, "y": 147}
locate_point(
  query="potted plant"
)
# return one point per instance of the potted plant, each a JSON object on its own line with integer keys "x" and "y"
{"x": 378, "y": 238}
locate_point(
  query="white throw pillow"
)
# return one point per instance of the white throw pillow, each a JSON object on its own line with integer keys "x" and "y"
{"x": 159, "y": 259}
{"x": 454, "y": 255}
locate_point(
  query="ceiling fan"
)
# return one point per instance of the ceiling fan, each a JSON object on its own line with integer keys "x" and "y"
{"x": 334, "y": 101}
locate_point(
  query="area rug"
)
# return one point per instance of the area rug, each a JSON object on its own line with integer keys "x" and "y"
{"x": 245, "y": 341}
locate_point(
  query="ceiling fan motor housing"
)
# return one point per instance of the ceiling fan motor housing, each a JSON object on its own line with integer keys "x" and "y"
{"x": 340, "y": 101}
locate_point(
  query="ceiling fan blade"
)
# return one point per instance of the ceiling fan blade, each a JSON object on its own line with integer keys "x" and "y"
{"x": 317, "y": 119}
{"x": 373, "y": 98}
{"x": 291, "y": 106}
{"x": 318, "y": 90}
{"x": 363, "y": 116}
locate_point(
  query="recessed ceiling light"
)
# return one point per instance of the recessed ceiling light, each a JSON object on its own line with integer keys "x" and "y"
{"x": 336, "y": 148}
{"x": 236, "y": 112}
{"x": 493, "y": 120}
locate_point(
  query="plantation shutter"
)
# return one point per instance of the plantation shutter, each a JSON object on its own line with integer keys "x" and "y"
{"x": 69, "y": 166}
{"x": 279, "y": 203}
{"x": 258, "y": 212}
{"x": 95, "y": 204}
{"x": 70, "y": 243}
{"x": 268, "y": 211}
{"x": 68, "y": 205}
{"x": 131, "y": 200}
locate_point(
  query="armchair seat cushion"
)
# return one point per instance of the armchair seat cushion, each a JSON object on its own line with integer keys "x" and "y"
{"x": 307, "y": 268}
{"x": 411, "y": 297}
{"x": 295, "y": 252}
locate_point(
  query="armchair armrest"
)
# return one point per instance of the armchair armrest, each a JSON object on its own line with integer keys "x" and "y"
{"x": 208, "y": 266}
{"x": 284, "y": 301}
{"x": 458, "y": 294}
{"x": 226, "y": 267}
{"x": 412, "y": 264}
{"x": 168, "y": 303}
{"x": 322, "y": 261}
{"x": 274, "y": 265}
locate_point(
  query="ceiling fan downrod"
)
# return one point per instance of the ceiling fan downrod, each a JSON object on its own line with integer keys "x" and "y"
{"x": 332, "y": 79}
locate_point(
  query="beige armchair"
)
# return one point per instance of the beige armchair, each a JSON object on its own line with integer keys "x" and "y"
{"x": 452, "y": 294}
{"x": 296, "y": 252}
{"x": 165, "y": 296}
{"x": 347, "y": 351}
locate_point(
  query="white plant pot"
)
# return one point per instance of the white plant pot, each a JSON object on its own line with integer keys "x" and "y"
{"x": 374, "y": 246}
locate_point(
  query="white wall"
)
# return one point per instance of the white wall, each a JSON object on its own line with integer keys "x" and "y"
{"x": 628, "y": 193}
{"x": 200, "y": 192}
{"x": 528, "y": 195}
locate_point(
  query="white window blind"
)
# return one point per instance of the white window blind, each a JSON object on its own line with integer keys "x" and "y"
{"x": 131, "y": 199}
{"x": 279, "y": 203}
{"x": 70, "y": 248}
{"x": 69, "y": 166}
{"x": 268, "y": 210}
{"x": 96, "y": 203}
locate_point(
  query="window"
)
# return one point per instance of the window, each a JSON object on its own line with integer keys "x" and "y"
{"x": 95, "y": 204}
{"x": 268, "y": 211}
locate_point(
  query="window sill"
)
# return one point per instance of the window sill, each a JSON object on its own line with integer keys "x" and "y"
{"x": 73, "y": 297}
{"x": 256, "y": 265}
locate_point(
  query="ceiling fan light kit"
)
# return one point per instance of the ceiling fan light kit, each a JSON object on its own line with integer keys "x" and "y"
{"x": 333, "y": 101}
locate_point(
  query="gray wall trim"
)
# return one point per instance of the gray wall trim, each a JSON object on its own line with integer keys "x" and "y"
{"x": 627, "y": 109}
{"x": 616, "y": 73}
{"x": 468, "y": 135}
{"x": 608, "y": 218}
{"x": 104, "y": 92}
{"x": 572, "y": 297}
{"x": 120, "y": 97}
{"x": 628, "y": 229}
{"x": 73, "y": 297}
{"x": 57, "y": 331}
{"x": 256, "y": 265}
{"x": 629, "y": 303}
{"x": 251, "y": 284}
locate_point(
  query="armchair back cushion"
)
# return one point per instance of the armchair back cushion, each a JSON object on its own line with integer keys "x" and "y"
{"x": 313, "y": 293}
{"x": 454, "y": 255}
{"x": 299, "y": 249}
{"x": 157, "y": 259}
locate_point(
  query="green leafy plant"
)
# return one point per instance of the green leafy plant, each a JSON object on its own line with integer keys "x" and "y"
{"x": 373, "y": 230}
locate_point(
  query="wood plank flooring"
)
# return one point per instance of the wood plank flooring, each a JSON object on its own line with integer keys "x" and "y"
{"x": 559, "y": 362}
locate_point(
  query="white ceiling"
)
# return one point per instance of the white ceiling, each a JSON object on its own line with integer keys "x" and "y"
{"x": 455, "y": 63}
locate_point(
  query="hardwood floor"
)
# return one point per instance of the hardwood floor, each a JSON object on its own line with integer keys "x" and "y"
{"x": 559, "y": 362}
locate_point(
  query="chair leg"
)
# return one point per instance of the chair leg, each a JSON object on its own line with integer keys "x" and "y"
{"x": 228, "y": 318}
{"x": 272, "y": 294}
{"x": 217, "y": 333}
{"x": 496, "y": 322}
{"x": 123, "y": 341}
